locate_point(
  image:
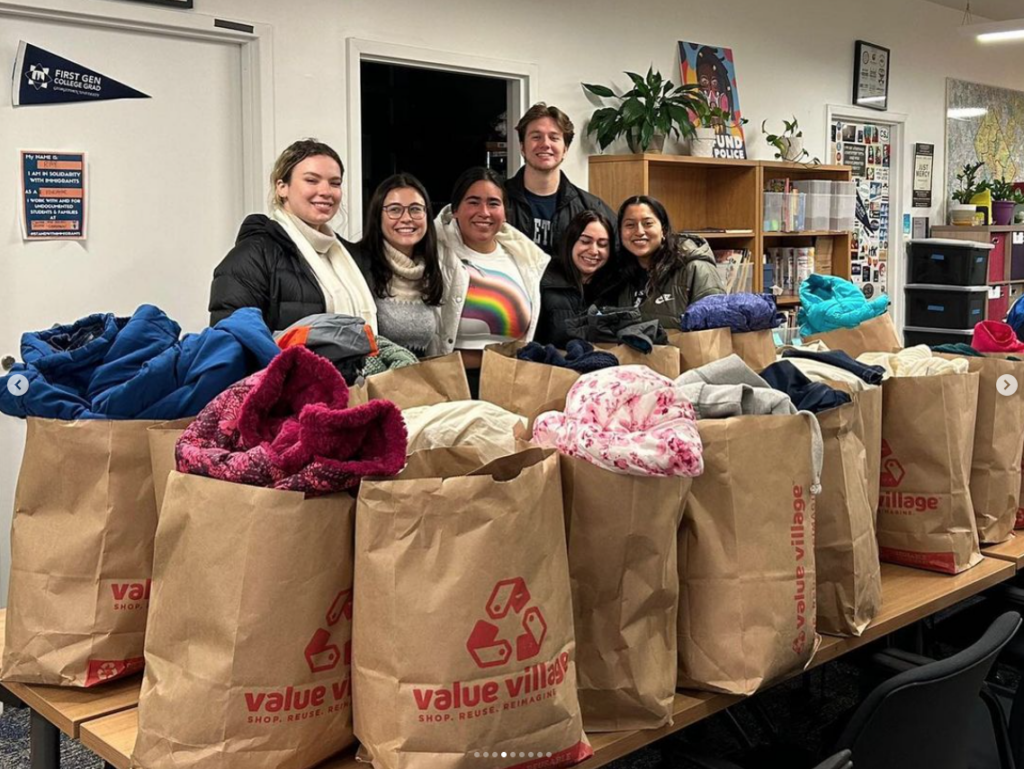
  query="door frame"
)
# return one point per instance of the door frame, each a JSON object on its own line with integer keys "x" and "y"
{"x": 255, "y": 42}
{"x": 896, "y": 267}
{"x": 521, "y": 79}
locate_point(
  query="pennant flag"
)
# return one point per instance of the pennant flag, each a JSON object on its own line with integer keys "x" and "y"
{"x": 41, "y": 77}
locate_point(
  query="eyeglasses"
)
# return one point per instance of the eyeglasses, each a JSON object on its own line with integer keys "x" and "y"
{"x": 395, "y": 211}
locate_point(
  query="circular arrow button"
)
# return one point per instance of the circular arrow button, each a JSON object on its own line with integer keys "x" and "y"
{"x": 1006, "y": 384}
{"x": 17, "y": 384}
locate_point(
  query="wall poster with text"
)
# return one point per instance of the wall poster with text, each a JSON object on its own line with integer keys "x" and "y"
{"x": 713, "y": 68}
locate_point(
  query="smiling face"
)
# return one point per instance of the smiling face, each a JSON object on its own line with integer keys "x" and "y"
{"x": 313, "y": 191}
{"x": 544, "y": 145}
{"x": 480, "y": 214}
{"x": 410, "y": 227}
{"x": 591, "y": 250}
{"x": 642, "y": 233}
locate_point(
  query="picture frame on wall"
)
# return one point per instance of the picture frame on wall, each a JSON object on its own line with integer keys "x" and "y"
{"x": 185, "y": 4}
{"x": 871, "y": 76}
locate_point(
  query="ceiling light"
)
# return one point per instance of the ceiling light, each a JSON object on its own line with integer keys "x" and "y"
{"x": 964, "y": 113}
{"x": 996, "y": 32}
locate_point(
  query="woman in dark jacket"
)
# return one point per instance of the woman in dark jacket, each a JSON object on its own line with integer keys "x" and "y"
{"x": 292, "y": 264}
{"x": 577, "y": 277}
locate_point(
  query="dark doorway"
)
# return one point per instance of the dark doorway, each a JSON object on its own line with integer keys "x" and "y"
{"x": 429, "y": 123}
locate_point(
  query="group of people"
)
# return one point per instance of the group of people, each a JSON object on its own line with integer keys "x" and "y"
{"x": 504, "y": 261}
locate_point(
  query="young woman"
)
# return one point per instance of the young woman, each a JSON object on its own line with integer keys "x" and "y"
{"x": 491, "y": 270}
{"x": 578, "y": 276}
{"x": 400, "y": 244}
{"x": 292, "y": 264}
{"x": 664, "y": 273}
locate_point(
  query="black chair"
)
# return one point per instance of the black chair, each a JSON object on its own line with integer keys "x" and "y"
{"x": 920, "y": 718}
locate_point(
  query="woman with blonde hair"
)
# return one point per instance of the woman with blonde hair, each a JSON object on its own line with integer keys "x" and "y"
{"x": 292, "y": 264}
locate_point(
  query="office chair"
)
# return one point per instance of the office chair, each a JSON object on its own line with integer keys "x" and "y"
{"x": 920, "y": 718}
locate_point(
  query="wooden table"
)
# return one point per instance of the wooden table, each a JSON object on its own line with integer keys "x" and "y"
{"x": 1012, "y": 550}
{"x": 907, "y": 596}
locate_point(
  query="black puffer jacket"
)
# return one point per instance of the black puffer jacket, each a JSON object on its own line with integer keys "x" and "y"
{"x": 561, "y": 300}
{"x": 571, "y": 200}
{"x": 266, "y": 270}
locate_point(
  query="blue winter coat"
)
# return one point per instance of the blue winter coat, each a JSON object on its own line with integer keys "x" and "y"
{"x": 828, "y": 303}
{"x": 739, "y": 312}
{"x": 104, "y": 367}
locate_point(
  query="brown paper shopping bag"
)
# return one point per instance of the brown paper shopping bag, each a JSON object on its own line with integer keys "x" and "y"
{"x": 998, "y": 449}
{"x": 81, "y": 553}
{"x": 163, "y": 437}
{"x": 248, "y": 652}
{"x": 875, "y": 335}
{"x": 925, "y": 514}
{"x": 625, "y": 589}
{"x": 698, "y": 348}
{"x": 663, "y": 358}
{"x": 746, "y": 556}
{"x": 463, "y": 646}
{"x": 848, "y": 574}
{"x": 756, "y": 348}
{"x": 520, "y": 386}
{"x": 435, "y": 380}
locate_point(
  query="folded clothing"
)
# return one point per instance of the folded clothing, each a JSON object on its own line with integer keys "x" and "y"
{"x": 389, "y": 356}
{"x": 344, "y": 340}
{"x": 914, "y": 361}
{"x": 872, "y": 375}
{"x": 738, "y": 312}
{"x": 729, "y": 388}
{"x": 621, "y": 325}
{"x": 995, "y": 336}
{"x": 957, "y": 348}
{"x": 489, "y": 429}
{"x": 287, "y": 427}
{"x": 807, "y": 395}
{"x": 629, "y": 420}
{"x": 580, "y": 356}
{"x": 106, "y": 367}
{"x": 828, "y": 303}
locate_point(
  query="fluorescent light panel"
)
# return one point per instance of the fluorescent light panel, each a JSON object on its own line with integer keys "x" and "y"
{"x": 996, "y": 32}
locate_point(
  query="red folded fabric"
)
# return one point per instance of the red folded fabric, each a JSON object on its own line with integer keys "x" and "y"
{"x": 287, "y": 427}
{"x": 995, "y": 336}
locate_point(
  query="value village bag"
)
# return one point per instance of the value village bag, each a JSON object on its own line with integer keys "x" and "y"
{"x": 746, "y": 556}
{"x": 875, "y": 335}
{"x": 81, "y": 553}
{"x": 523, "y": 387}
{"x": 463, "y": 646}
{"x": 925, "y": 514}
{"x": 625, "y": 587}
{"x": 434, "y": 380}
{"x": 848, "y": 573}
{"x": 698, "y": 348}
{"x": 249, "y": 647}
{"x": 163, "y": 438}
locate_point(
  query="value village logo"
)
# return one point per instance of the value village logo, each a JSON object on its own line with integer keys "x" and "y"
{"x": 895, "y": 502}
{"x": 322, "y": 655}
{"x": 512, "y": 627}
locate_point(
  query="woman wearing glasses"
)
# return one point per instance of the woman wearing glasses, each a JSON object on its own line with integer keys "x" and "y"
{"x": 401, "y": 245}
{"x": 292, "y": 264}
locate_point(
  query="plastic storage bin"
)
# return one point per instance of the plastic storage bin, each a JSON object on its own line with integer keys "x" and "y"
{"x": 773, "y": 211}
{"x": 949, "y": 262}
{"x": 934, "y": 336}
{"x": 844, "y": 206}
{"x": 945, "y": 307}
{"x": 818, "y": 212}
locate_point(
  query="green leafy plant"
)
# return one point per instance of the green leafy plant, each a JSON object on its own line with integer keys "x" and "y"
{"x": 1003, "y": 190}
{"x": 968, "y": 186}
{"x": 708, "y": 116}
{"x": 652, "y": 106}
{"x": 782, "y": 141}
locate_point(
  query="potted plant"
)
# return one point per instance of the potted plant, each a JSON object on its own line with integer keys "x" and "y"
{"x": 1005, "y": 197}
{"x": 707, "y": 120}
{"x": 789, "y": 145}
{"x": 961, "y": 210}
{"x": 651, "y": 110}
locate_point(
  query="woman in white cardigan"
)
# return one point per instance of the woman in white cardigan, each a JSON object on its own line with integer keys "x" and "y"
{"x": 491, "y": 271}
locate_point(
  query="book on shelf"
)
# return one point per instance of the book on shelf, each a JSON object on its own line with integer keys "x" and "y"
{"x": 789, "y": 267}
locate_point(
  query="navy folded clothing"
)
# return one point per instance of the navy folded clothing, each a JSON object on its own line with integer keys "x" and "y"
{"x": 580, "y": 356}
{"x": 870, "y": 374}
{"x": 805, "y": 394}
{"x": 738, "y": 312}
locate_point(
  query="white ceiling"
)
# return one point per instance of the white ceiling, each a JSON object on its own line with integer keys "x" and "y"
{"x": 991, "y": 10}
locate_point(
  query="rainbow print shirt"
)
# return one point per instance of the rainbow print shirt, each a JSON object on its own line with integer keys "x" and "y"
{"x": 497, "y": 307}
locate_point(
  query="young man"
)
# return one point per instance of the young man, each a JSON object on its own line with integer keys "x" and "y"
{"x": 542, "y": 200}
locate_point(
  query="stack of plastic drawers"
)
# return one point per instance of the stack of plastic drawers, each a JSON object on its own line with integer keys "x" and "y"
{"x": 946, "y": 290}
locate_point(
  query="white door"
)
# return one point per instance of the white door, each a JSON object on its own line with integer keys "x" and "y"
{"x": 165, "y": 191}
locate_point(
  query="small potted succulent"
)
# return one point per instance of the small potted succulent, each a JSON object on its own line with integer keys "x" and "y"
{"x": 651, "y": 110}
{"x": 961, "y": 211}
{"x": 1005, "y": 197}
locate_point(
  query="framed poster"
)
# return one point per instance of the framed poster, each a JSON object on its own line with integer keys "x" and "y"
{"x": 713, "y": 69}
{"x": 171, "y": 3}
{"x": 871, "y": 76}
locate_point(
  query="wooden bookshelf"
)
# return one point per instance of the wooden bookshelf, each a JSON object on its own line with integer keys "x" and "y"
{"x": 703, "y": 195}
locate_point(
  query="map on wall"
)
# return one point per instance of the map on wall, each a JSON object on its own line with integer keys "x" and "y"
{"x": 984, "y": 124}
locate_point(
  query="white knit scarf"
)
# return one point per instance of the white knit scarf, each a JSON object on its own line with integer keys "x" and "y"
{"x": 407, "y": 275}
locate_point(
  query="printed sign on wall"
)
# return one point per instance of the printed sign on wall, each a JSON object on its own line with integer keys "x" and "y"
{"x": 53, "y": 195}
{"x": 41, "y": 77}
{"x": 713, "y": 69}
